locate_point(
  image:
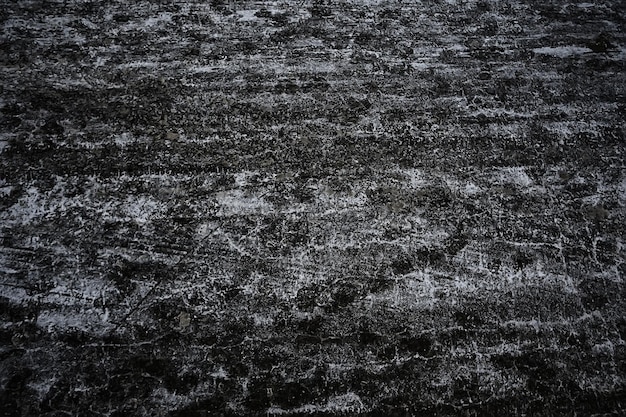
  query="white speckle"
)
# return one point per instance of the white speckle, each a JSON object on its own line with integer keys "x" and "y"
{"x": 138, "y": 64}
{"x": 161, "y": 18}
{"x": 261, "y": 320}
{"x": 220, "y": 373}
{"x": 417, "y": 65}
{"x": 607, "y": 348}
{"x": 241, "y": 178}
{"x": 141, "y": 209}
{"x": 124, "y": 139}
{"x": 29, "y": 207}
{"x": 349, "y": 402}
{"x": 471, "y": 189}
{"x": 203, "y": 69}
{"x": 622, "y": 192}
{"x": 415, "y": 177}
{"x": 561, "y": 51}
{"x": 513, "y": 175}
{"x": 237, "y": 202}
{"x": 247, "y": 15}
{"x": 346, "y": 402}
{"x": 4, "y": 191}
{"x": 203, "y": 231}
{"x": 54, "y": 320}
{"x": 89, "y": 24}
{"x": 340, "y": 202}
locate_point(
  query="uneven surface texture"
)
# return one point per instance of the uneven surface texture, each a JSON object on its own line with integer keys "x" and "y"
{"x": 284, "y": 208}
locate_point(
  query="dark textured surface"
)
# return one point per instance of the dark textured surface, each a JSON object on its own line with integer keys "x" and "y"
{"x": 357, "y": 208}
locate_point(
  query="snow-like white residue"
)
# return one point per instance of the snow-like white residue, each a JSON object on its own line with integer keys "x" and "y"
{"x": 202, "y": 69}
{"x": 415, "y": 177}
{"x": 82, "y": 291}
{"x": 4, "y": 191}
{"x": 161, "y": 18}
{"x": 242, "y": 178}
{"x": 513, "y": 175}
{"x": 247, "y": 15}
{"x": 346, "y": 402}
{"x": 141, "y": 209}
{"x": 89, "y": 24}
{"x": 349, "y": 402}
{"x": 606, "y": 348}
{"x": 28, "y": 208}
{"x": 471, "y": 189}
{"x": 237, "y": 202}
{"x": 308, "y": 43}
{"x": 465, "y": 188}
{"x": 138, "y": 64}
{"x": 561, "y": 51}
{"x": 339, "y": 202}
{"x": 124, "y": 139}
{"x": 621, "y": 192}
{"x": 308, "y": 66}
{"x": 86, "y": 319}
{"x": 3, "y": 144}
